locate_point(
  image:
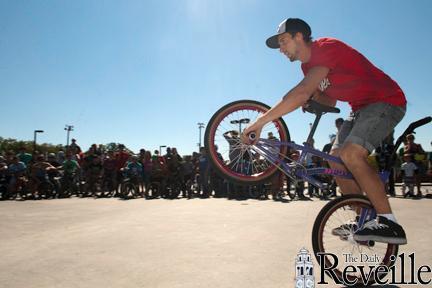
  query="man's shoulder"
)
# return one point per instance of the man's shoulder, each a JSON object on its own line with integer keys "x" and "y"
{"x": 328, "y": 42}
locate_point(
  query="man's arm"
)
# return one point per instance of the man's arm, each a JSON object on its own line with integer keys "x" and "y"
{"x": 297, "y": 96}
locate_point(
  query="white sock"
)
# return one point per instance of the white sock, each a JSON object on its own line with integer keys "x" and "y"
{"x": 389, "y": 217}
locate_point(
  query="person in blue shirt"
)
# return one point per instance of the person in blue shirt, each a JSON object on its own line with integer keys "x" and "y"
{"x": 15, "y": 170}
{"x": 133, "y": 167}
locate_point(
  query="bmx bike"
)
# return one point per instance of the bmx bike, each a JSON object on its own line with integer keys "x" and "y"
{"x": 254, "y": 164}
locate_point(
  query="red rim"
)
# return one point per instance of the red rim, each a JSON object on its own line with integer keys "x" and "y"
{"x": 225, "y": 168}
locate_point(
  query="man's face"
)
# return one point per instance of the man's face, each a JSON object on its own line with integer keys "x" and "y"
{"x": 289, "y": 46}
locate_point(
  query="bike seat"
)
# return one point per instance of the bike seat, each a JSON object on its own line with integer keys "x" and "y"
{"x": 318, "y": 108}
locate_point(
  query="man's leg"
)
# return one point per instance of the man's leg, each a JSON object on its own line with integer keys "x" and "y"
{"x": 347, "y": 186}
{"x": 355, "y": 158}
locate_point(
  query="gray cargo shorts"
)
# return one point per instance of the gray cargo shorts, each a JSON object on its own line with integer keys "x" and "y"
{"x": 369, "y": 125}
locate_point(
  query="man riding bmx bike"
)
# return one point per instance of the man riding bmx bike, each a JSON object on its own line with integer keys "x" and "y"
{"x": 335, "y": 71}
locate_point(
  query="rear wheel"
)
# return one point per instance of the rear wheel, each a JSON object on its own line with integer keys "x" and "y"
{"x": 234, "y": 160}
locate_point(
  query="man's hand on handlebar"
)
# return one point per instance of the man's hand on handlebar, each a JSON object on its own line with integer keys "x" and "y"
{"x": 255, "y": 128}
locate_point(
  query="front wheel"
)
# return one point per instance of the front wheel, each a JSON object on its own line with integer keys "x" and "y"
{"x": 238, "y": 162}
{"x": 332, "y": 239}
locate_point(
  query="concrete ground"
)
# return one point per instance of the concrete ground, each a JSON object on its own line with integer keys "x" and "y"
{"x": 171, "y": 243}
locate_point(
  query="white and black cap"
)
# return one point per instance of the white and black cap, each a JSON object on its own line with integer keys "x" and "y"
{"x": 291, "y": 25}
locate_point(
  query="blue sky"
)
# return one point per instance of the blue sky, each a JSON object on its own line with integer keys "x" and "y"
{"x": 144, "y": 73}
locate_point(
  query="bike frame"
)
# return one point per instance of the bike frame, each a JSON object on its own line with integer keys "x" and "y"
{"x": 291, "y": 169}
{"x": 266, "y": 148}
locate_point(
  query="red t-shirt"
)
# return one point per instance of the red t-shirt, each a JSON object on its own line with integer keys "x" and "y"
{"x": 121, "y": 158}
{"x": 352, "y": 78}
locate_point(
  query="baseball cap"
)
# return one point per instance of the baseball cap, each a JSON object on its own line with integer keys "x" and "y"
{"x": 289, "y": 25}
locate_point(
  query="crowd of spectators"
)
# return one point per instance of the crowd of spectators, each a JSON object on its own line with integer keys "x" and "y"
{"x": 414, "y": 165}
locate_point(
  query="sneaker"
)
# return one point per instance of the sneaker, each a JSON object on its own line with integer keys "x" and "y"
{"x": 381, "y": 230}
{"x": 346, "y": 229}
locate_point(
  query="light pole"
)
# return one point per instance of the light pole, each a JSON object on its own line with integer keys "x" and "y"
{"x": 34, "y": 139}
{"x": 200, "y": 126}
{"x": 68, "y": 128}
{"x": 160, "y": 149}
{"x": 240, "y": 122}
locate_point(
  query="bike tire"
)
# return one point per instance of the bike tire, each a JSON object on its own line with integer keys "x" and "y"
{"x": 221, "y": 122}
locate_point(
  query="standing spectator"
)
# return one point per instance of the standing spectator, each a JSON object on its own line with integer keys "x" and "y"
{"x": 204, "y": 169}
{"x": 15, "y": 170}
{"x": 3, "y": 166}
{"x": 61, "y": 157}
{"x": 52, "y": 159}
{"x": 216, "y": 181}
{"x": 70, "y": 166}
{"x": 338, "y": 123}
{"x": 74, "y": 147}
{"x": 188, "y": 176}
{"x": 384, "y": 153}
{"x": 159, "y": 173}
{"x": 147, "y": 170}
{"x": 168, "y": 155}
{"x": 408, "y": 170}
{"x": 39, "y": 174}
{"x": 23, "y": 156}
{"x": 121, "y": 158}
{"x": 133, "y": 168}
{"x": 430, "y": 159}
{"x": 277, "y": 179}
{"x": 311, "y": 161}
{"x": 233, "y": 139}
{"x": 299, "y": 188}
{"x": 419, "y": 158}
{"x": 141, "y": 155}
{"x": 110, "y": 168}
{"x": 327, "y": 147}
